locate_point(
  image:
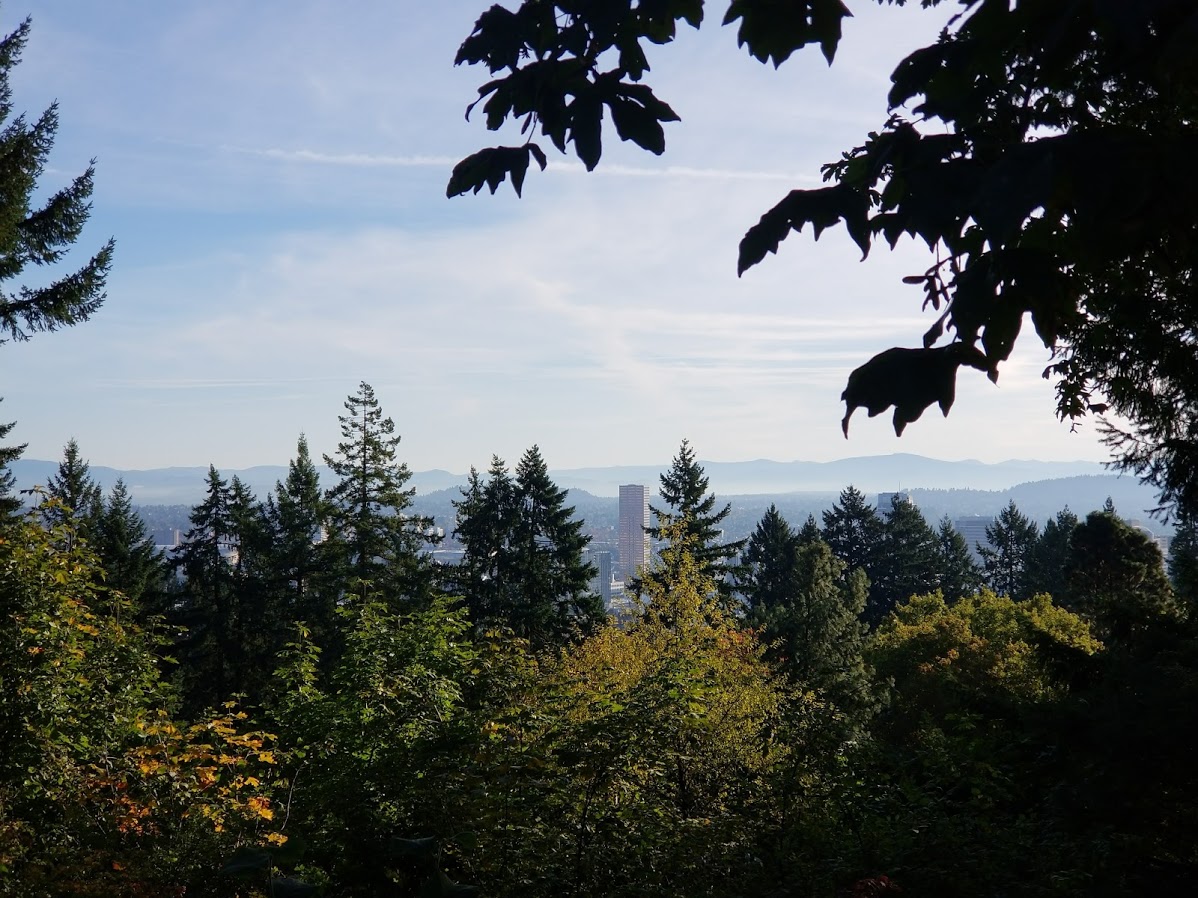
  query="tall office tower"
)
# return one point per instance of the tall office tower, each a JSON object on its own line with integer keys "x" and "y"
{"x": 973, "y": 528}
{"x": 602, "y": 562}
{"x": 634, "y": 535}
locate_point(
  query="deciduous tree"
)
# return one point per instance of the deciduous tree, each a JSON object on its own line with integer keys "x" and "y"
{"x": 1041, "y": 151}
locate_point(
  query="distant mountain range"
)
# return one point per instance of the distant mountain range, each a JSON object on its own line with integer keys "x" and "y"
{"x": 871, "y": 474}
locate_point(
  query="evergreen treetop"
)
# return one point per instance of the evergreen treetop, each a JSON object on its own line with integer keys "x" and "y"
{"x": 40, "y": 235}
{"x": 369, "y": 502}
{"x": 684, "y": 489}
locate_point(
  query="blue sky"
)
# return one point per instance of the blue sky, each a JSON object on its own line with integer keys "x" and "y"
{"x": 274, "y": 175}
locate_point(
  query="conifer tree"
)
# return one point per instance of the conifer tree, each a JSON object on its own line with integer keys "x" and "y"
{"x": 368, "y": 506}
{"x": 40, "y": 235}
{"x": 766, "y": 575}
{"x": 206, "y": 612}
{"x": 549, "y": 543}
{"x": 1183, "y": 560}
{"x": 809, "y": 532}
{"x": 854, "y": 531}
{"x": 133, "y": 565}
{"x": 684, "y": 489}
{"x": 907, "y": 563}
{"x": 1046, "y": 570}
{"x": 523, "y": 566}
{"x": 959, "y": 575}
{"x": 79, "y": 497}
{"x": 815, "y": 631}
{"x": 10, "y": 504}
{"x": 296, "y": 516}
{"x": 1012, "y": 539}
{"x": 1116, "y": 578}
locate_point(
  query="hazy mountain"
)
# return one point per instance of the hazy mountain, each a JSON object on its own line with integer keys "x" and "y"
{"x": 871, "y": 474}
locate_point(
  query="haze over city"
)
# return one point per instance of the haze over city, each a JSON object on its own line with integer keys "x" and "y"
{"x": 275, "y": 173}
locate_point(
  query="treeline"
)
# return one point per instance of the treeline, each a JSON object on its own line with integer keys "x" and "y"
{"x": 298, "y": 701}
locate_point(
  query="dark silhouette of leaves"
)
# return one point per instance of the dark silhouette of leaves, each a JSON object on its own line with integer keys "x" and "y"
{"x": 910, "y": 380}
{"x": 488, "y": 168}
{"x": 821, "y": 208}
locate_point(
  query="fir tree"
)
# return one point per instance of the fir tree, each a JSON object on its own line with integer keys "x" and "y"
{"x": 854, "y": 532}
{"x": 523, "y": 565}
{"x": 485, "y": 519}
{"x": 1116, "y": 578}
{"x": 40, "y": 235}
{"x": 1183, "y": 559}
{"x": 296, "y": 516}
{"x": 132, "y": 563}
{"x": 907, "y": 564}
{"x": 959, "y": 575}
{"x": 1012, "y": 539}
{"x": 809, "y": 532}
{"x": 206, "y": 613}
{"x": 767, "y": 564}
{"x": 556, "y": 596}
{"x": 1046, "y": 570}
{"x": 10, "y": 504}
{"x": 368, "y": 506}
{"x": 79, "y": 499}
{"x": 815, "y": 631}
{"x": 684, "y": 489}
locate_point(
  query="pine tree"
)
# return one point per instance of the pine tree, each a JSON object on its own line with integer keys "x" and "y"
{"x": 368, "y": 506}
{"x": 485, "y": 518}
{"x": 206, "y": 610}
{"x": 133, "y": 565}
{"x": 907, "y": 564}
{"x": 815, "y": 632}
{"x": 296, "y": 516}
{"x": 1012, "y": 539}
{"x": 40, "y": 235}
{"x": 523, "y": 565}
{"x": 1046, "y": 571}
{"x": 1183, "y": 559}
{"x": 684, "y": 489}
{"x": 79, "y": 499}
{"x": 767, "y": 564}
{"x": 809, "y": 532}
{"x": 854, "y": 531}
{"x": 10, "y": 504}
{"x": 556, "y": 597}
{"x": 959, "y": 575}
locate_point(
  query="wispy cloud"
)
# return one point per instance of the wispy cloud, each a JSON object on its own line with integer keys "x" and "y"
{"x": 377, "y": 160}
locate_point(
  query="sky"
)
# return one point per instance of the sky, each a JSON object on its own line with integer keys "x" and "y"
{"x": 274, "y": 175}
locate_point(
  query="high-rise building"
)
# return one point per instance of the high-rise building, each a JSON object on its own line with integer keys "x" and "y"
{"x": 973, "y": 528}
{"x": 634, "y": 532}
{"x": 601, "y": 584}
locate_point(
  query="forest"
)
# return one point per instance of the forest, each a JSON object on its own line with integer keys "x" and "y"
{"x": 298, "y": 701}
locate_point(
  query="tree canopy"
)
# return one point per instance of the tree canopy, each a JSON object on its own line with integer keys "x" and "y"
{"x": 1042, "y": 151}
